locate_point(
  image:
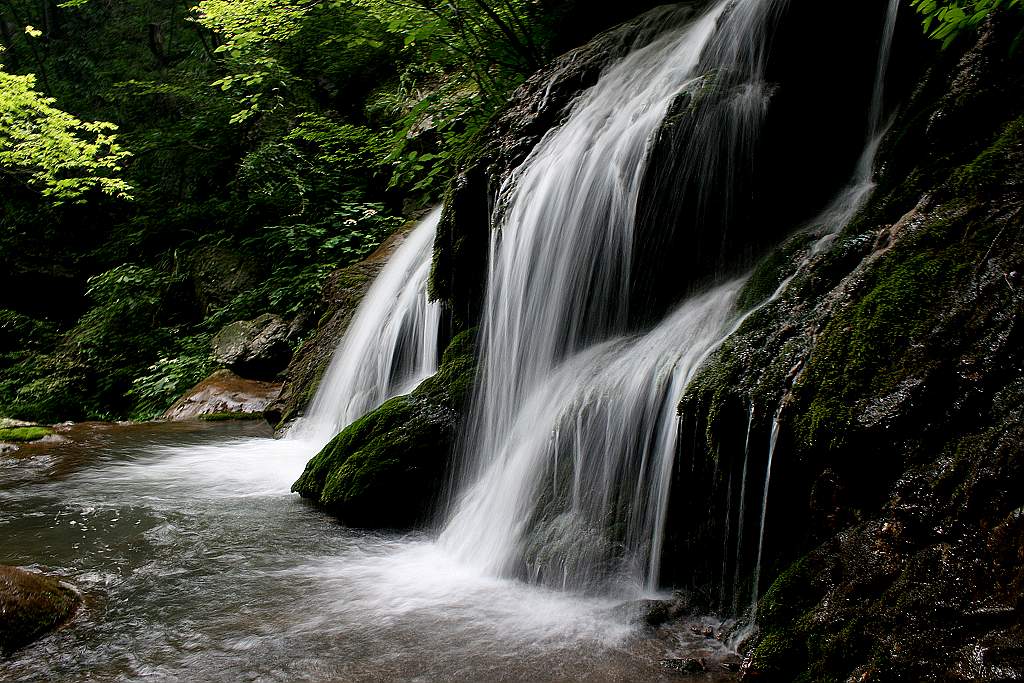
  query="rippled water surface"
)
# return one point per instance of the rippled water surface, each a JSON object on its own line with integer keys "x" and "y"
{"x": 197, "y": 564}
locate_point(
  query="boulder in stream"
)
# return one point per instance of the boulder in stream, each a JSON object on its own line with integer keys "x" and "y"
{"x": 32, "y": 605}
{"x": 386, "y": 469}
{"x": 224, "y": 394}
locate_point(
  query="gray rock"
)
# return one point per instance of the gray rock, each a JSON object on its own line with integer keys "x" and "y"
{"x": 219, "y": 274}
{"x": 256, "y": 349}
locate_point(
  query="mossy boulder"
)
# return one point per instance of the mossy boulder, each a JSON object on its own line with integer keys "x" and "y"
{"x": 32, "y": 605}
{"x": 387, "y": 468}
{"x": 24, "y": 434}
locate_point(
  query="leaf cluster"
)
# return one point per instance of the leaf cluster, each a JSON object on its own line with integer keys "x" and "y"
{"x": 946, "y": 19}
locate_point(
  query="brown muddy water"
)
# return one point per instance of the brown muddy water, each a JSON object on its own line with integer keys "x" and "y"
{"x": 198, "y": 564}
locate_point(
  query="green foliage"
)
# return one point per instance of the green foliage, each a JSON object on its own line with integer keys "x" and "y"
{"x": 303, "y": 256}
{"x": 177, "y": 369}
{"x": 291, "y": 132}
{"x": 52, "y": 151}
{"x": 946, "y": 19}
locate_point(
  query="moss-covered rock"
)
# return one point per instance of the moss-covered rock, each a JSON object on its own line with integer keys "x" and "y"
{"x": 32, "y": 605}
{"x": 24, "y": 434}
{"x": 386, "y": 469}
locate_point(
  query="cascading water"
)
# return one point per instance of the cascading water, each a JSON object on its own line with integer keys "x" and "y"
{"x": 563, "y": 397}
{"x": 391, "y": 344}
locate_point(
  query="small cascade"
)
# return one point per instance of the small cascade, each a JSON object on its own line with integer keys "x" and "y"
{"x": 391, "y": 344}
{"x": 845, "y": 206}
{"x": 829, "y": 224}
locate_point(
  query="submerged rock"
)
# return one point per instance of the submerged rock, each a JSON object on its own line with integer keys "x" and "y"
{"x": 387, "y": 468}
{"x": 256, "y": 349}
{"x": 32, "y": 605}
{"x": 648, "y": 612}
{"x": 224, "y": 393}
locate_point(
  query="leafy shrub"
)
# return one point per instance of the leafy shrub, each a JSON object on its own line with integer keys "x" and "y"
{"x": 170, "y": 376}
{"x": 946, "y": 19}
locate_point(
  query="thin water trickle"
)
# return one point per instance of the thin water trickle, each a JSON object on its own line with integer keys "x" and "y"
{"x": 741, "y": 518}
{"x": 772, "y": 443}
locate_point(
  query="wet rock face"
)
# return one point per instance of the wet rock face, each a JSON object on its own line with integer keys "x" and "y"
{"x": 257, "y": 348}
{"x": 893, "y": 533}
{"x": 807, "y": 131}
{"x": 32, "y": 605}
{"x": 222, "y": 394}
{"x": 386, "y": 469}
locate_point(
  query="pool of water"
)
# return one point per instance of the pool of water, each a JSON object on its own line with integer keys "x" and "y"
{"x": 198, "y": 564}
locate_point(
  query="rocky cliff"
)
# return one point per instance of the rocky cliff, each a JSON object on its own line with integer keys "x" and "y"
{"x": 890, "y": 371}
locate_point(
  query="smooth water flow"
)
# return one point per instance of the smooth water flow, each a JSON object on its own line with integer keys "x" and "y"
{"x": 589, "y": 442}
{"x": 564, "y": 398}
{"x": 197, "y": 564}
{"x": 390, "y": 346}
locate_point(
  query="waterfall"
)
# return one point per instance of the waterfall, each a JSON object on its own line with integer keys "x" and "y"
{"x": 390, "y": 346}
{"x": 566, "y": 395}
{"x": 576, "y": 497}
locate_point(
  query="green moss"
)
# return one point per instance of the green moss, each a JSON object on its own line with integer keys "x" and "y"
{"x": 385, "y": 468}
{"x": 225, "y": 417}
{"x": 771, "y": 271}
{"x": 866, "y": 348}
{"x": 996, "y": 164}
{"x": 24, "y": 434}
{"x": 350, "y": 277}
{"x": 790, "y": 595}
{"x": 775, "y": 654}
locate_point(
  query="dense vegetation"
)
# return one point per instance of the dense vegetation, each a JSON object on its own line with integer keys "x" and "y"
{"x": 147, "y": 149}
{"x": 168, "y": 169}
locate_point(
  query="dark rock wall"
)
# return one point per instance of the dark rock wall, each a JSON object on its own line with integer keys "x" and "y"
{"x": 893, "y": 534}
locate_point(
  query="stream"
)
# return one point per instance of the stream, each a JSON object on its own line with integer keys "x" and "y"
{"x": 198, "y": 564}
